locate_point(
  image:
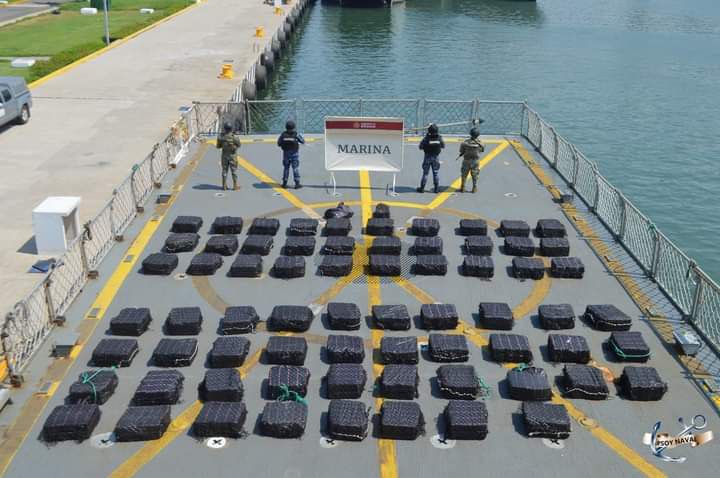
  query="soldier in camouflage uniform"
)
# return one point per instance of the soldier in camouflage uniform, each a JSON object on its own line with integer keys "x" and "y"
{"x": 229, "y": 143}
{"x": 470, "y": 150}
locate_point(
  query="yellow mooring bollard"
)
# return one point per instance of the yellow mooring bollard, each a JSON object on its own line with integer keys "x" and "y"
{"x": 259, "y": 31}
{"x": 227, "y": 72}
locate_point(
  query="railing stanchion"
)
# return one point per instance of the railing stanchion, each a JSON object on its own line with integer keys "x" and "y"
{"x": 623, "y": 217}
{"x": 576, "y": 165}
{"x": 698, "y": 297}
{"x": 248, "y": 121}
{"x": 48, "y": 296}
{"x": 656, "y": 252}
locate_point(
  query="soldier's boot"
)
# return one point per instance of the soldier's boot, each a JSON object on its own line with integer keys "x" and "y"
{"x": 462, "y": 185}
{"x": 474, "y": 189}
{"x": 420, "y": 189}
{"x": 224, "y": 183}
{"x": 235, "y": 185}
{"x": 298, "y": 185}
{"x": 436, "y": 189}
{"x": 284, "y": 185}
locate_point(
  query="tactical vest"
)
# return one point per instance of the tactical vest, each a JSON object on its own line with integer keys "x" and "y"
{"x": 228, "y": 144}
{"x": 433, "y": 145}
{"x": 472, "y": 149}
{"x": 289, "y": 141}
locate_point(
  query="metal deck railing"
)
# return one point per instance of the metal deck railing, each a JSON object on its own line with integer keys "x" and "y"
{"x": 690, "y": 289}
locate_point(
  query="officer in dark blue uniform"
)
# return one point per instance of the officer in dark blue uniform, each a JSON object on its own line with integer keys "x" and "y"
{"x": 290, "y": 141}
{"x": 432, "y": 144}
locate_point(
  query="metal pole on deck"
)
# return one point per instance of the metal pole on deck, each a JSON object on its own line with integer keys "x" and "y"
{"x": 107, "y": 24}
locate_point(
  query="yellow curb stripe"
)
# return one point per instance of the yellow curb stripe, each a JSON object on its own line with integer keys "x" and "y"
{"x": 111, "y": 46}
{"x": 455, "y": 186}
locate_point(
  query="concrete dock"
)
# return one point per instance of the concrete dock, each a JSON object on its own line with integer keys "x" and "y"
{"x": 93, "y": 122}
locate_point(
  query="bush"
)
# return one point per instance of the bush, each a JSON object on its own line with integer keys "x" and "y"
{"x": 64, "y": 58}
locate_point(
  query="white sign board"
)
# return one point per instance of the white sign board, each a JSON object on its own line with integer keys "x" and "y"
{"x": 364, "y": 144}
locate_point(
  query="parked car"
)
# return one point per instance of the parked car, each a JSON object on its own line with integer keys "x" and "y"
{"x": 15, "y": 100}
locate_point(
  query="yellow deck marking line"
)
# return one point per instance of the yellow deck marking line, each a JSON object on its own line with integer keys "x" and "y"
{"x": 112, "y": 45}
{"x": 531, "y": 302}
{"x": 268, "y": 141}
{"x": 628, "y": 283}
{"x": 308, "y": 209}
{"x": 207, "y": 292}
{"x": 424, "y": 298}
{"x": 610, "y": 440}
{"x": 58, "y": 369}
{"x": 50, "y": 391}
{"x": 455, "y": 186}
{"x": 452, "y": 139}
{"x": 177, "y": 427}
{"x": 600, "y": 433}
{"x": 185, "y": 419}
{"x": 290, "y": 197}
{"x": 644, "y": 302}
{"x": 608, "y": 374}
{"x": 387, "y": 451}
{"x": 540, "y": 290}
{"x": 408, "y": 205}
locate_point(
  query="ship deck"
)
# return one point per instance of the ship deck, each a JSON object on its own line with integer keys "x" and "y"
{"x": 515, "y": 183}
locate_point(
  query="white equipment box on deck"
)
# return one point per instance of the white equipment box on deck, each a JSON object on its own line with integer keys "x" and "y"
{"x": 56, "y": 222}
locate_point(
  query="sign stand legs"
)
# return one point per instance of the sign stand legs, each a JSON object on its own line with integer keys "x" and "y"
{"x": 392, "y": 190}
{"x": 334, "y": 182}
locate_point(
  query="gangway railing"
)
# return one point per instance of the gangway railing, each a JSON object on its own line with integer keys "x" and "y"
{"x": 689, "y": 288}
{"x": 32, "y": 318}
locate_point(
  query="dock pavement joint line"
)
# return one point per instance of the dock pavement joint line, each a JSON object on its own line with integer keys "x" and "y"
{"x": 455, "y": 186}
{"x": 386, "y": 449}
{"x": 290, "y": 197}
{"x": 111, "y": 46}
{"x": 58, "y": 369}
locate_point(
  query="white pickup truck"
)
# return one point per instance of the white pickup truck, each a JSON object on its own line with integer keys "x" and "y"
{"x": 15, "y": 100}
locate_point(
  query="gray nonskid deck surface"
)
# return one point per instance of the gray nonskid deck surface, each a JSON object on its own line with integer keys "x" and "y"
{"x": 506, "y": 450}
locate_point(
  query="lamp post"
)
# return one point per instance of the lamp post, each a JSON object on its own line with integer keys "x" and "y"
{"x": 107, "y": 25}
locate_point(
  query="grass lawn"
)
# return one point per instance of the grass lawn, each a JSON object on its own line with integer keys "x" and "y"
{"x": 7, "y": 70}
{"x": 69, "y": 36}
